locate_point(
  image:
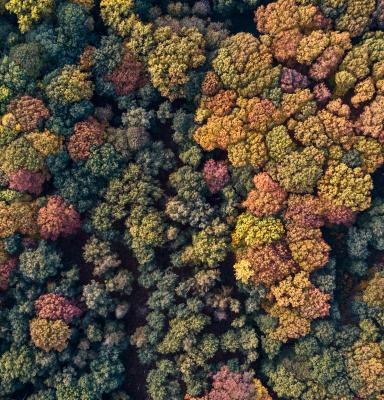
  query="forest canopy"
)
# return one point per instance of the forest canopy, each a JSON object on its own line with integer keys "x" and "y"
{"x": 191, "y": 200}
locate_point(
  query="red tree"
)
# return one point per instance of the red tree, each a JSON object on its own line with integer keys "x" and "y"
{"x": 24, "y": 180}
{"x": 229, "y": 385}
{"x": 339, "y": 215}
{"x": 53, "y": 306}
{"x": 28, "y": 112}
{"x": 5, "y": 270}
{"x": 57, "y": 218}
{"x": 128, "y": 76}
{"x": 216, "y": 175}
{"x": 268, "y": 197}
{"x": 86, "y": 134}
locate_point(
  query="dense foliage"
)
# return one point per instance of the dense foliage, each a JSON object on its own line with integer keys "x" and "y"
{"x": 191, "y": 203}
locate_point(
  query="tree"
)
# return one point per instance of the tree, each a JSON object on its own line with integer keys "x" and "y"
{"x": 58, "y": 218}
{"x": 215, "y": 175}
{"x": 168, "y": 64}
{"x": 119, "y": 15}
{"x": 27, "y": 181}
{"x": 227, "y": 385}
{"x": 244, "y": 63}
{"x": 71, "y": 85}
{"x": 30, "y": 11}
{"x": 17, "y": 365}
{"x": 251, "y": 230}
{"x": 344, "y": 186}
{"x": 128, "y": 76}
{"x": 267, "y": 198}
{"x": 54, "y": 307}
{"x": 85, "y": 134}
{"x": 50, "y": 335}
{"x": 6, "y": 269}
{"x": 41, "y": 263}
{"x": 266, "y": 264}
{"x": 28, "y": 111}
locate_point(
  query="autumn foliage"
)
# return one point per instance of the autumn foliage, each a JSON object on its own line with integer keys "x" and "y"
{"x": 53, "y": 307}
{"x": 191, "y": 199}
{"x": 267, "y": 102}
{"x": 57, "y": 218}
